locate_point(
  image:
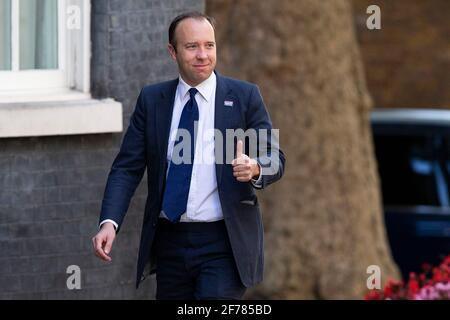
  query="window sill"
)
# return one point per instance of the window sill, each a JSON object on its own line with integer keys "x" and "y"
{"x": 68, "y": 117}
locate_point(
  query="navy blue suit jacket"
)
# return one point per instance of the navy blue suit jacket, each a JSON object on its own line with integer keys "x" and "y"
{"x": 144, "y": 147}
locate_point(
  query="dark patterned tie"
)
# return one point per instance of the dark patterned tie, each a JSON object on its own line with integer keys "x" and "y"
{"x": 179, "y": 178}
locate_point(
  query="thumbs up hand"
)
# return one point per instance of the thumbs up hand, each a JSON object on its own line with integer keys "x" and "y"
{"x": 244, "y": 168}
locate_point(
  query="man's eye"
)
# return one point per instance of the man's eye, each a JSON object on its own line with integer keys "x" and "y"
{"x": 191, "y": 46}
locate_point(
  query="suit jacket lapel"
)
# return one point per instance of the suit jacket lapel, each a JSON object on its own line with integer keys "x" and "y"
{"x": 163, "y": 118}
{"x": 221, "y": 115}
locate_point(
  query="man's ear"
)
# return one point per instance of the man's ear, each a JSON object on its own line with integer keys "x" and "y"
{"x": 172, "y": 51}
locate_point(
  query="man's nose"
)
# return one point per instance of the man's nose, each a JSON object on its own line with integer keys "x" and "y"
{"x": 202, "y": 54}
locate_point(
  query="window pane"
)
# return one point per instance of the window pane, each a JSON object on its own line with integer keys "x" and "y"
{"x": 5, "y": 35}
{"x": 38, "y": 32}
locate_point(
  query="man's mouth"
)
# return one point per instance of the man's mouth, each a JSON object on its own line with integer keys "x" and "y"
{"x": 200, "y": 66}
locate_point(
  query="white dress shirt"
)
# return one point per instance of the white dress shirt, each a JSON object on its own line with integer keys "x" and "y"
{"x": 203, "y": 200}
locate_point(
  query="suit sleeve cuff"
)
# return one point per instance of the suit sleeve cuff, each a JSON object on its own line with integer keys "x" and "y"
{"x": 257, "y": 183}
{"x": 109, "y": 220}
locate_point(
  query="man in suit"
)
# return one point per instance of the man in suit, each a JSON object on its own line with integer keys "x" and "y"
{"x": 202, "y": 231}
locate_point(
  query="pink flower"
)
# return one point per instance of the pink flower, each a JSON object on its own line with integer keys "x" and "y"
{"x": 432, "y": 284}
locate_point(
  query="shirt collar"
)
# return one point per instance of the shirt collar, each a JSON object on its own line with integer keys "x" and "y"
{"x": 206, "y": 88}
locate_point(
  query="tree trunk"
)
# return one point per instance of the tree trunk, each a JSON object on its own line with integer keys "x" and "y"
{"x": 323, "y": 221}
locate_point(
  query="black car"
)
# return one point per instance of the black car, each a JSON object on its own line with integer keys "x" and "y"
{"x": 412, "y": 148}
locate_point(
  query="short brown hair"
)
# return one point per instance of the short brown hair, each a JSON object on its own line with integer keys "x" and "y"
{"x": 194, "y": 15}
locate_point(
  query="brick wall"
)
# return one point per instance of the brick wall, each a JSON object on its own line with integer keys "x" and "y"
{"x": 407, "y": 62}
{"x": 51, "y": 187}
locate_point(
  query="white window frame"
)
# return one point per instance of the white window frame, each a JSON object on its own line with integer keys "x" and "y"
{"x": 48, "y": 107}
{"x": 71, "y": 79}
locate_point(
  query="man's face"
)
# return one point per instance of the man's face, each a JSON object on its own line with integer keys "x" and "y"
{"x": 195, "y": 51}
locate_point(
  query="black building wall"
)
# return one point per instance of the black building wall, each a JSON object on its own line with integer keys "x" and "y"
{"x": 51, "y": 187}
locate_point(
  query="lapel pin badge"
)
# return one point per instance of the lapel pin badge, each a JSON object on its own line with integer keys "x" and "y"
{"x": 228, "y": 103}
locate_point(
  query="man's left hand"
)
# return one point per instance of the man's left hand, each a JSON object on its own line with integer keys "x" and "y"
{"x": 244, "y": 168}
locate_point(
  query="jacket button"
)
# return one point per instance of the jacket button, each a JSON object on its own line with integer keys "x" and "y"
{"x": 154, "y": 224}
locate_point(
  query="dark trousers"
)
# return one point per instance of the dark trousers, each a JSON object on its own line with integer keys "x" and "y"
{"x": 195, "y": 261}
